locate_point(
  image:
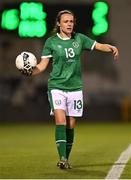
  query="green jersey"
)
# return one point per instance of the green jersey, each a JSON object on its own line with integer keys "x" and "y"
{"x": 66, "y": 64}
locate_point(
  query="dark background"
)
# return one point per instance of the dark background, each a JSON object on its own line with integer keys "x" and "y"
{"x": 107, "y": 84}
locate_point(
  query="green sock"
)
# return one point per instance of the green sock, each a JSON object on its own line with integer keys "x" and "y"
{"x": 70, "y": 139}
{"x": 60, "y": 137}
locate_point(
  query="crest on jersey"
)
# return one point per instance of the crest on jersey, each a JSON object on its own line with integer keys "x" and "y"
{"x": 58, "y": 102}
{"x": 75, "y": 44}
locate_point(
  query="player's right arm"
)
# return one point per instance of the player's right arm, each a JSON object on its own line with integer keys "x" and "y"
{"x": 45, "y": 58}
{"x": 40, "y": 67}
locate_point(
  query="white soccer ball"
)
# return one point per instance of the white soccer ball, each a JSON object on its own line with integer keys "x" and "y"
{"x": 25, "y": 61}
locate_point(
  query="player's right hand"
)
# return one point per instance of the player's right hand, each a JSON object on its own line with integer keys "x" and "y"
{"x": 27, "y": 72}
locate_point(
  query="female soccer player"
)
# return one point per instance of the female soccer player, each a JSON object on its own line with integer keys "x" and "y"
{"x": 65, "y": 85}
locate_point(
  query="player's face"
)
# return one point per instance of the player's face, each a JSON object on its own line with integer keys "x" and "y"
{"x": 66, "y": 24}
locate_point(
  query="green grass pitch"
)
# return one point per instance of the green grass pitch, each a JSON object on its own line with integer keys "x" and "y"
{"x": 28, "y": 151}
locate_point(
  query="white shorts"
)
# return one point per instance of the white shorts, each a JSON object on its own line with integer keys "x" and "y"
{"x": 70, "y": 102}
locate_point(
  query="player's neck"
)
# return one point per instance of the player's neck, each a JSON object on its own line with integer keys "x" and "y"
{"x": 64, "y": 35}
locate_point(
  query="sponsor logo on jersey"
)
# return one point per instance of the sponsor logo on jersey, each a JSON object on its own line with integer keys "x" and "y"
{"x": 78, "y": 110}
{"x": 70, "y": 60}
{"x": 75, "y": 44}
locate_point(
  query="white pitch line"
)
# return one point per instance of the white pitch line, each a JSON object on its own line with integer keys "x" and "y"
{"x": 118, "y": 167}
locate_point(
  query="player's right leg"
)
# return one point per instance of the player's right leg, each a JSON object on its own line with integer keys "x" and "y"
{"x": 58, "y": 103}
{"x": 60, "y": 136}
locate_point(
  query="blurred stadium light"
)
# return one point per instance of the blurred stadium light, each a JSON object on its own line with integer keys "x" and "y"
{"x": 99, "y": 16}
{"x": 10, "y": 19}
{"x": 30, "y": 17}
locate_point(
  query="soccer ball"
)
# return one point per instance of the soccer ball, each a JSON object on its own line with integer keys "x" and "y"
{"x": 25, "y": 61}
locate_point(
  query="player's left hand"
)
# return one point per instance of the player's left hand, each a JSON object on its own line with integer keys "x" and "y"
{"x": 115, "y": 52}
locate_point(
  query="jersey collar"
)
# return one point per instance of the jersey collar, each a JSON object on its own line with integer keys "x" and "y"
{"x": 67, "y": 38}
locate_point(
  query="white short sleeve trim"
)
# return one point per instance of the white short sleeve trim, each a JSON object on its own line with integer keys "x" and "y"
{"x": 48, "y": 56}
{"x": 93, "y": 45}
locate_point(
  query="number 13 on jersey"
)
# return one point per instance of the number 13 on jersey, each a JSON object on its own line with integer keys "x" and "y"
{"x": 69, "y": 52}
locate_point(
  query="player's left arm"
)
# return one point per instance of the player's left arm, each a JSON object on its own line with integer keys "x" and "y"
{"x": 107, "y": 48}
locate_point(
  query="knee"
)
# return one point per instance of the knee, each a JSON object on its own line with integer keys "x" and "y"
{"x": 60, "y": 118}
{"x": 71, "y": 123}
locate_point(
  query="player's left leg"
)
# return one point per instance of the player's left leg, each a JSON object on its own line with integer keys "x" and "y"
{"x": 69, "y": 135}
{"x": 74, "y": 109}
